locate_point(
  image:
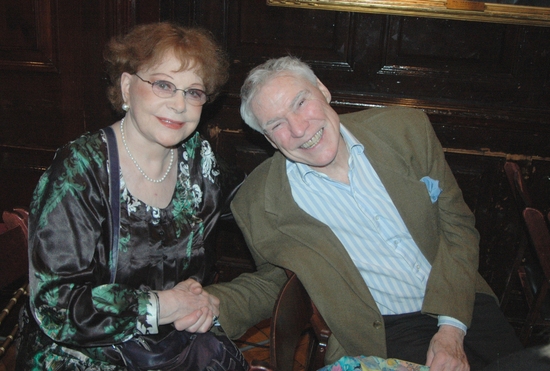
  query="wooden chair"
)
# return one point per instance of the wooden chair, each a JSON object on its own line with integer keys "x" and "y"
{"x": 522, "y": 199}
{"x": 13, "y": 279}
{"x": 536, "y": 283}
{"x": 528, "y": 264}
{"x": 517, "y": 184}
{"x": 294, "y": 313}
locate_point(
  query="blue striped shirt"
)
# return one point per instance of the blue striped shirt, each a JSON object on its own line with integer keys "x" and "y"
{"x": 364, "y": 218}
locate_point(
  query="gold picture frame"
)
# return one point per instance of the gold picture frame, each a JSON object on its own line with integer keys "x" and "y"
{"x": 464, "y": 10}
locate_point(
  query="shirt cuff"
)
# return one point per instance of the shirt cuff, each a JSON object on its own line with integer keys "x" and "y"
{"x": 446, "y": 320}
{"x": 151, "y": 325}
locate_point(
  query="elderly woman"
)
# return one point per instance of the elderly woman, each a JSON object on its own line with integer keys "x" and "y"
{"x": 94, "y": 300}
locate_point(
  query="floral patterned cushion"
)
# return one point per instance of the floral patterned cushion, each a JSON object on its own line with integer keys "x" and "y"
{"x": 372, "y": 363}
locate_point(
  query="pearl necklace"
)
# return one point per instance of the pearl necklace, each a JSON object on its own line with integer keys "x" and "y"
{"x": 135, "y": 162}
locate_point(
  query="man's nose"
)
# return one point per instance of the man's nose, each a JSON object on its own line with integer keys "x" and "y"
{"x": 298, "y": 126}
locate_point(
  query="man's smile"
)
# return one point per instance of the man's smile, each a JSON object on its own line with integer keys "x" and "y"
{"x": 313, "y": 141}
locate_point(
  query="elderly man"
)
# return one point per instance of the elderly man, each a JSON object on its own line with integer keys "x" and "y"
{"x": 365, "y": 210}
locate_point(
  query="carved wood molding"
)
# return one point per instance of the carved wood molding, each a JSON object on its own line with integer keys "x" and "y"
{"x": 29, "y": 38}
{"x": 464, "y": 10}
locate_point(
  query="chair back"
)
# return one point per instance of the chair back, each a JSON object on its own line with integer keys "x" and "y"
{"x": 522, "y": 199}
{"x": 13, "y": 256}
{"x": 13, "y": 246}
{"x": 536, "y": 282}
{"x": 540, "y": 238}
{"x": 13, "y": 279}
{"x": 538, "y": 231}
{"x": 17, "y": 217}
{"x": 531, "y": 262}
{"x": 293, "y": 314}
{"x": 517, "y": 185}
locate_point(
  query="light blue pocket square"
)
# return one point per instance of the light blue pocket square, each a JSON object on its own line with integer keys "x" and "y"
{"x": 433, "y": 187}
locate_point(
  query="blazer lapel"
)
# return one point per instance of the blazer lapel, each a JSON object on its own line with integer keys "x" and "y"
{"x": 308, "y": 231}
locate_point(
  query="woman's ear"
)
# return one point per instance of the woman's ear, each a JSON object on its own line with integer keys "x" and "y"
{"x": 324, "y": 90}
{"x": 125, "y": 80}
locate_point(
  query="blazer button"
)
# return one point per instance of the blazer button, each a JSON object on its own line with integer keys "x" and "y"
{"x": 377, "y": 325}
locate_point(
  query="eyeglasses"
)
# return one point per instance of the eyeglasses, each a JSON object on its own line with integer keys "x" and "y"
{"x": 165, "y": 89}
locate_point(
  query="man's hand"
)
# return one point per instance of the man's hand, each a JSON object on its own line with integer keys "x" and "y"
{"x": 188, "y": 307}
{"x": 446, "y": 351}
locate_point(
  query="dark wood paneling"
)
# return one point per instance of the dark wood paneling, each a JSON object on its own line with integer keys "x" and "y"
{"x": 53, "y": 81}
{"x": 486, "y": 88}
{"x": 27, "y": 37}
{"x": 485, "y": 85}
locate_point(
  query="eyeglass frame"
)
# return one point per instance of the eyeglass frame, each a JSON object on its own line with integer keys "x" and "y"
{"x": 184, "y": 91}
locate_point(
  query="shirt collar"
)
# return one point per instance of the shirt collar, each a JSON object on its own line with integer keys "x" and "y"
{"x": 354, "y": 147}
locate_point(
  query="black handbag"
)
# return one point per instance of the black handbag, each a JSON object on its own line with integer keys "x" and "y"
{"x": 170, "y": 349}
{"x": 181, "y": 350}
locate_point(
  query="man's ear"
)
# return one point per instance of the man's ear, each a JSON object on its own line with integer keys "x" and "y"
{"x": 125, "y": 80}
{"x": 324, "y": 90}
{"x": 270, "y": 141}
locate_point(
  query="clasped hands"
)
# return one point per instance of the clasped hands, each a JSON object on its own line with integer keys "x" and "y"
{"x": 188, "y": 307}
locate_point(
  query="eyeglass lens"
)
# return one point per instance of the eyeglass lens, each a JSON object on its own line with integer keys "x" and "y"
{"x": 166, "y": 89}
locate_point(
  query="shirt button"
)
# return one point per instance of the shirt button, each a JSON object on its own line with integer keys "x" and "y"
{"x": 377, "y": 325}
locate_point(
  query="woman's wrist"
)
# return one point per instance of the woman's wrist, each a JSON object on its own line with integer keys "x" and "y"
{"x": 152, "y": 310}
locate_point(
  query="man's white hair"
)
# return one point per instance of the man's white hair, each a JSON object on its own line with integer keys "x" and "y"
{"x": 261, "y": 74}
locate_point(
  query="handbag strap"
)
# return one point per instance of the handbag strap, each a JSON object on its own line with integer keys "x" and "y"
{"x": 114, "y": 196}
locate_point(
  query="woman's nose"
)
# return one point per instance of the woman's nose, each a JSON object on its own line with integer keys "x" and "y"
{"x": 178, "y": 103}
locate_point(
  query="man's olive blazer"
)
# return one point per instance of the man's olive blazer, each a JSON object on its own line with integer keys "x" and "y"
{"x": 402, "y": 147}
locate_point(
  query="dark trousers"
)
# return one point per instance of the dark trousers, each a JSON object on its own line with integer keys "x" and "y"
{"x": 490, "y": 336}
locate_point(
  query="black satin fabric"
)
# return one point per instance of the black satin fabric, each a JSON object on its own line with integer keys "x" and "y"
{"x": 70, "y": 251}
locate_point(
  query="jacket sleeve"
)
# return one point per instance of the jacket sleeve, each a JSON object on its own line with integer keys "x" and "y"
{"x": 249, "y": 298}
{"x": 451, "y": 286}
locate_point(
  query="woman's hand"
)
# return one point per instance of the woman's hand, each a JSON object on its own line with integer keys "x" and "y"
{"x": 188, "y": 307}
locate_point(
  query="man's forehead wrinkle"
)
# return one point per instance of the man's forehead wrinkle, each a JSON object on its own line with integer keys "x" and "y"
{"x": 299, "y": 96}
{"x": 274, "y": 103}
{"x": 279, "y": 96}
{"x": 286, "y": 103}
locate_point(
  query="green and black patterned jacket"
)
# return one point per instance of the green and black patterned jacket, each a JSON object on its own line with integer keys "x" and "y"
{"x": 80, "y": 315}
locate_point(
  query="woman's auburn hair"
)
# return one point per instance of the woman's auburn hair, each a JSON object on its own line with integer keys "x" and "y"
{"x": 145, "y": 46}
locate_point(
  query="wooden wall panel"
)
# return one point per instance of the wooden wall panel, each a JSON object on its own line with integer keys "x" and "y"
{"x": 27, "y": 37}
{"x": 259, "y": 32}
{"x": 28, "y": 60}
{"x": 53, "y": 80}
{"x": 451, "y": 69}
{"x": 485, "y": 85}
{"x": 486, "y": 88}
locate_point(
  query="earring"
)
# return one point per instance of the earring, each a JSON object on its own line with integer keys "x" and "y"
{"x": 125, "y": 107}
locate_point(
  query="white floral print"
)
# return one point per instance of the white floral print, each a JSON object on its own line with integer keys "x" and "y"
{"x": 208, "y": 162}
